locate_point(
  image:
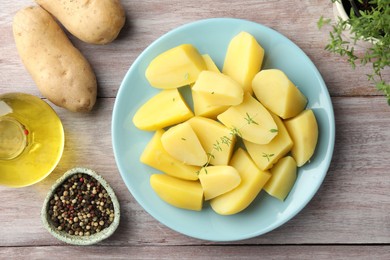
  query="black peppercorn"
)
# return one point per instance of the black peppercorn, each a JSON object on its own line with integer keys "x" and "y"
{"x": 81, "y": 206}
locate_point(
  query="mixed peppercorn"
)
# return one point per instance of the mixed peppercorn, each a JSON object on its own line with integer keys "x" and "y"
{"x": 81, "y": 206}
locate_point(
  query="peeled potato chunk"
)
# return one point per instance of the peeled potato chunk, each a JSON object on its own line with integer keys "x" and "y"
{"x": 218, "y": 89}
{"x": 181, "y": 142}
{"x": 202, "y": 107}
{"x": 303, "y": 130}
{"x": 217, "y": 180}
{"x": 175, "y": 67}
{"x": 154, "y": 155}
{"x": 252, "y": 181}
{"x": 162, "y": 110}
{"x": 210, "y": 64}
{"x": 179, "y": 193}
{"x": 277, "y": 93}
{"x": 284, "y": 174}
{"x": 216, "y": 139}
{"x": 250, "y": 120}
{"x": 265, "y": 155}
{"x": 243, "y": 59}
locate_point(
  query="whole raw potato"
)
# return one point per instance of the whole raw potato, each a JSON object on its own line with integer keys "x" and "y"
{"x": 60, "y": 71}
{"x": 92, "y": 21}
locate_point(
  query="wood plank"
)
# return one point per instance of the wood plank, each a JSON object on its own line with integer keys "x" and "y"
{"x": 204, "y": 252}
{"x": 352, "y": 205}
{"x": 295, "y": 19}
{"x": 347, "y": 219}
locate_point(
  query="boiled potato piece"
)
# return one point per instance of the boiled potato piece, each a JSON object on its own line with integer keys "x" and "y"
{"x": 252, "y": 181}
{"x": 265, "y": 155}
{"x": 243, "y": 59}
{"x": 182, "y": 143}
{"x": 250, "y": 120}
{"x": 175, "y": 67}
{"x": 303, "y": 130}
{"x": 210, "y": 65}
{"x": 218, "y": 89}
{"x": 155, "y": 156}
{"x": 284, "y": 174}
{"x": 216, "y": 139}
{"x": 164, "y": 109}
{"x": 59, "y": 70}
{"x": 97, "y": 22}
{"x": 202, "y": 106}
{"x": 217, "y": 180}
{"x": 277, "y": 93}
{"x": 176, "y": 192}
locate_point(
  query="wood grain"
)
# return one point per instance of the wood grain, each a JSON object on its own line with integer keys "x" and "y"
{"x": 349, "y": 216}
{"x": 211, "y": 253}
{"x": 351, "y": 206}
{"x": 148, "y": 20}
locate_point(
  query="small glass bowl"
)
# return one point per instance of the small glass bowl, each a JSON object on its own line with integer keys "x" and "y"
{"x": 73, "y": 239}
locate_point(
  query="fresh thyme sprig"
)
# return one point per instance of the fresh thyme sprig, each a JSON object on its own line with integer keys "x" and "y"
{"x": 250, "y": 120}
{"x": 268, "y": 155}
{"x": 371, "y": 25}
{"x": 227, "y": 140}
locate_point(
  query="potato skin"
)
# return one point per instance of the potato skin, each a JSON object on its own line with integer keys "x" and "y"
{"x": 60, "y": 71}
{"x": 92, "y": 21}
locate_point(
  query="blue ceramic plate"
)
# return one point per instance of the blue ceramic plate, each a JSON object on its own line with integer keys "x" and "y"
{"x": 212, "y": 36}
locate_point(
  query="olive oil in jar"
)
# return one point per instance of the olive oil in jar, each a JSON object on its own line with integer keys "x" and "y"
{"x": 31, "y": 139}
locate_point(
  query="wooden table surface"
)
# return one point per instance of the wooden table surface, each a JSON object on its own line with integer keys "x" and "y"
{"x": 349, "y": 217}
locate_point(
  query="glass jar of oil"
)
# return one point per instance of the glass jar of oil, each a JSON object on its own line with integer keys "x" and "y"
{"x": 31, "y": 139}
